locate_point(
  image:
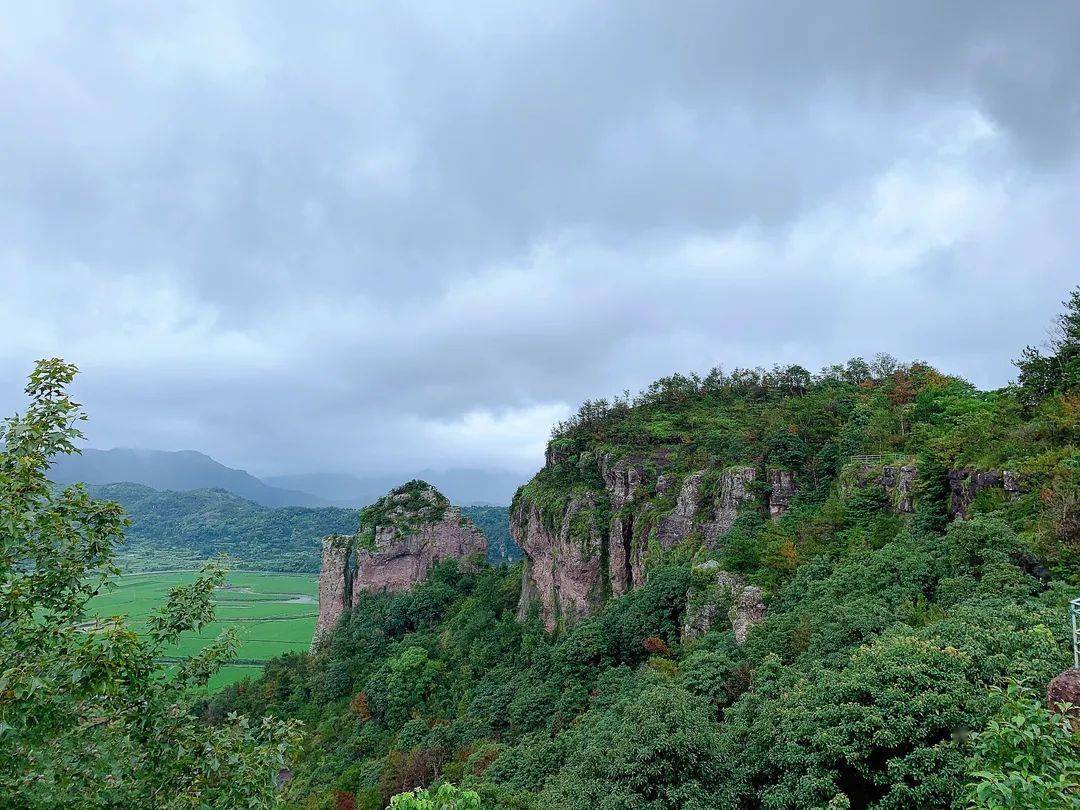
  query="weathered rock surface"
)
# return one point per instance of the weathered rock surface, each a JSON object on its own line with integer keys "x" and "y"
{"x": 572, "y": 564}
{"x": 622, "y": 478}
{"x": 897, "y": 481}
{"x": 677, "y": 526}
{"x": 966, "y": 484}
{"x": 732, "y": 492}
{"x": 562, "y": 567}
{"x": 1065, "y": 688}
{"x": 400, "y": 561}
{"x": 731, "y": 600}
{"x": 335, "y": 583}
{"x": 398, "y": 541}
{"x": 781, "y": 490}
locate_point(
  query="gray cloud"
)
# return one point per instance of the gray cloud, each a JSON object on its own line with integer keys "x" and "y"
{"x": 360, "y": 237}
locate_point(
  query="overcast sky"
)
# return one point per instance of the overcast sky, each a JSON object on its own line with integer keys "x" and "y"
{"x": 385, "y": 236}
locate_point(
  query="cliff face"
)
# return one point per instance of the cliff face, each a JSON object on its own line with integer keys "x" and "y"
{"x": 399, "y": 539}
{"x": 596, "y": 544}
{"x": 335, "y": 584}
{"x": 966, "y": 484}
{"x": 611, "y": 514}
{"x": 895, "y": 481}
{"x": 726, "y": 598}
{"x": 562, "y": 565}
{"x": 898, "y": 484}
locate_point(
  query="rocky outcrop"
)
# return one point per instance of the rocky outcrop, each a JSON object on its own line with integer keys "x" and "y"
{"x": 597, "y": 545}
{"x": 896, "y": 480}
{"x": 728, "y": 598}
{"x": 562, "y": 563}
{"x": 335, "y": 585}
{"x": 400, "y": 561}
{"x": 622, "y": 478}
{"x": 399, "y": 539}
{"x": 675, "y": 527}
{"x": 966, "y": 484}
{"x": 733, "y": 490}
{"x": 781, "y": 491}
{"x": 1065, "y": 688}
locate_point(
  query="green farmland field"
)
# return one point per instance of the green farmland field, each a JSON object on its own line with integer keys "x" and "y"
{"x": 275, "y": 613}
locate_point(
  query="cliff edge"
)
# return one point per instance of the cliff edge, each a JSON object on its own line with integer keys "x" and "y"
{"x": 400, "y": 537}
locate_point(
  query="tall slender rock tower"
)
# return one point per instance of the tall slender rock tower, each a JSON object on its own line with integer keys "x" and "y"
{"x": 400, "y": 537}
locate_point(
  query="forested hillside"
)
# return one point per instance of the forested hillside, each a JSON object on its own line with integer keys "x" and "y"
{"x": 913, "y": 542}
{"x": 171, "y": 530}
{"x": 178, "y": 530}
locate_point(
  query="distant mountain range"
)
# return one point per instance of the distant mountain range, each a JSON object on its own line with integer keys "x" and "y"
{"x": 186, "y": 470}
{"x": 181, "y": 471}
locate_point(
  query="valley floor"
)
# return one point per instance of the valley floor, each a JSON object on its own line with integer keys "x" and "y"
{"x": 274, "y": 613}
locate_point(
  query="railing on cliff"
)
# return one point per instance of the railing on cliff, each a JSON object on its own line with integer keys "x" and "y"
{"x": 874, "y": 458}
{"x": 1074, "y": 618}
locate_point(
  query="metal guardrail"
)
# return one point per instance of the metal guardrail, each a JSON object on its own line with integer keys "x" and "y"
{"x": 1074, "y": 618}
{"x": 875, "y": 457}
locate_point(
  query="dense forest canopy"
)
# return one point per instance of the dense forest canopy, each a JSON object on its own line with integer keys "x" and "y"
{"x": 902, "y": 663}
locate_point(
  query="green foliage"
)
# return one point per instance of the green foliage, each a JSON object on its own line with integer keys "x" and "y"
{"x": 171, "y": 530}
{"x": 494, "y": 522}
{"x": 659, "y": 748}
{"x": 86, "y": 715}
{"x": 875, "y": 681}
{"x": 176, "y": 530}
{"x": 447, "y": 797}
{"x": 1025, "y": 757}
{"x": 1042, "y": 376}
{"x": 404, "y": 509}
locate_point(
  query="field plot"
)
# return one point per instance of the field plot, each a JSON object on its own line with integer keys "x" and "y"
{"x": 275, "y": 613}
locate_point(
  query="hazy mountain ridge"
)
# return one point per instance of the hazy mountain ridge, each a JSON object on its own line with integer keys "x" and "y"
{"x": 461, "y": 486}
{"x": 186, "y": 470}
{"x": 178, "y": 471}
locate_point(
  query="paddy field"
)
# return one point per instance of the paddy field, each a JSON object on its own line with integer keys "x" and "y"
{"x": 274, "y": 613}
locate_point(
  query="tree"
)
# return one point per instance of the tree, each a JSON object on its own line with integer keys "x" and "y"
{"x": 447, "y": 797}
{"x": 86, "y": 715}
{"x": 1025, "y": 757}
{"x": 657, "y": 749}
{"x": 1042, "y": 375}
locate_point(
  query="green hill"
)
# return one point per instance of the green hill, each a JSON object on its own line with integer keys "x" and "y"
{"x": 179, "y": 471}
{"x": 870, "y": 556}
{"x": 172, "y": 530}
{"x": 176, "y": 530}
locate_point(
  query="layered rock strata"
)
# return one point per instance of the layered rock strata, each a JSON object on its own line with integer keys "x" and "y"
{"x": 596, "y": 547}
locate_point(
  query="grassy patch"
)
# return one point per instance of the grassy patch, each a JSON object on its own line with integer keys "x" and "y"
{"x": 275, "y": 614}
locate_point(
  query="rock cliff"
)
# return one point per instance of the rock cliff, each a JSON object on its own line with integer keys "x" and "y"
{"x": 966, "y": 484}
{"x": 594, "y": 543}
{"x": 399, "y": 539}
{"x": 895, "y": 480}
{"x": 728, "y": 596}
{"x": 589, "y": 521}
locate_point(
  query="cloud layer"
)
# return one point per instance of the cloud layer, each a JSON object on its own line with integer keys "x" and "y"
{"x": 378, "y": 237}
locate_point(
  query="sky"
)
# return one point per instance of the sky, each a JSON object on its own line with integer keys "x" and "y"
{"x": 376, "y": 237}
